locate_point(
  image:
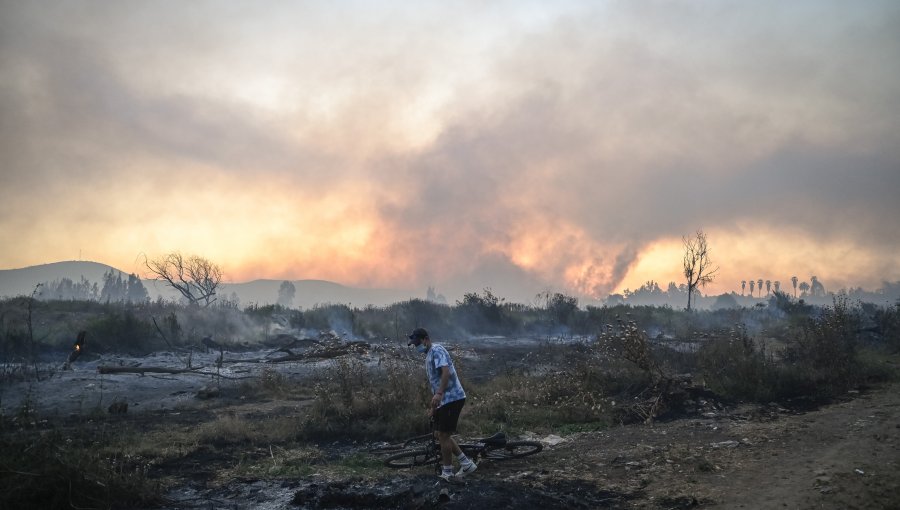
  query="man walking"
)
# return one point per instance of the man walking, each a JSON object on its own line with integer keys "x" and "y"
{"x": 447, "y": 402}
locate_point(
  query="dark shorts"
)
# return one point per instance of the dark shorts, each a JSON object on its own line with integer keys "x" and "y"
{"x": 447, "y": 416}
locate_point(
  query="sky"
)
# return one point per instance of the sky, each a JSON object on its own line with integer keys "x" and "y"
{"x": 513, "y": 145}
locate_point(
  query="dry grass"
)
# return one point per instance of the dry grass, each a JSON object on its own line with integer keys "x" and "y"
{"x": 80, "y": 467}
{"x": 353, "y": 401}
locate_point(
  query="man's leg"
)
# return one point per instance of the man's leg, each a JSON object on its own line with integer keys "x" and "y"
{"x": 447, "y": 419}
{"x": 449, "y": 448}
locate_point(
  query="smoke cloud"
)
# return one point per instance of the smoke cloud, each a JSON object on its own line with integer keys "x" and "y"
{"x": 517, "y": 146}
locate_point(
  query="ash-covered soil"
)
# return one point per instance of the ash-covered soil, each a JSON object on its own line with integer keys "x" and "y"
{"x": 845, "y": 454}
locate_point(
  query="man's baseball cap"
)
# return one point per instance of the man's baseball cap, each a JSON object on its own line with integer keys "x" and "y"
{"x": 415, "y": 338}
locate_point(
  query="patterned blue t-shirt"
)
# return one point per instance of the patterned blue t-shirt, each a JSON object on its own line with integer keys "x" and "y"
{"x": 436, "y": 358}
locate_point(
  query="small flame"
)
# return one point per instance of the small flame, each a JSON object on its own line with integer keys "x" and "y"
{"x": 77, "y": 347}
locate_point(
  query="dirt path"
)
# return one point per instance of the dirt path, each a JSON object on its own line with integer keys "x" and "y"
{"x": 845, "y": 455}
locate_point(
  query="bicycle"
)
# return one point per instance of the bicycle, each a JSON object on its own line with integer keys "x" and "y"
{"x": 412, "y": 442}
{"x": 495, "y": 448}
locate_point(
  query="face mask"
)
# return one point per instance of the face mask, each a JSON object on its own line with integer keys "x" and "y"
{"x": 421, "y": 348}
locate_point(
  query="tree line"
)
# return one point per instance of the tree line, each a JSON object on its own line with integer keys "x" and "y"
{"x": 117, "y": 287}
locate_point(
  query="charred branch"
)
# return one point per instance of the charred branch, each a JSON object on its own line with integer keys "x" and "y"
{"x": 160, "y": 331}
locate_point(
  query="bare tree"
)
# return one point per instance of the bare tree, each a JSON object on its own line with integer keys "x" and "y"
{"x": 697, "y": 264}
{"x": 30, "y": 325}
{"x": 195, "y": 277}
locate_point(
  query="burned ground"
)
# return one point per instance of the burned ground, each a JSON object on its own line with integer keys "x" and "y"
{"x": 250, "y": 447}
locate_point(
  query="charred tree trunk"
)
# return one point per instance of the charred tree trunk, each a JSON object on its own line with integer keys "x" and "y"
{"x": 31, "y": 333}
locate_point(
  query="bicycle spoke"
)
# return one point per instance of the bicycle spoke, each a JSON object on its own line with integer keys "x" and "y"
{"x": 513, "y": 450}
{"x": 410, "y": 458}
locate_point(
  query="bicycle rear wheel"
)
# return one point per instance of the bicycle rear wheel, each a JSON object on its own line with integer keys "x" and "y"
{"x": 404, "y": 446}
{"x": 411, "y": 458}
{"x": 513, "y": 450}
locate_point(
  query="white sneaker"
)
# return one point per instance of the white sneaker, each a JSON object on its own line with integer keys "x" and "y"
{"x": 466, "y": 469}
{"x": 447, "y": 477}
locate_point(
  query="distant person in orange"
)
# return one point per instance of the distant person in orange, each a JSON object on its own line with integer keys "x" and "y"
{"x": 446, "y": 404}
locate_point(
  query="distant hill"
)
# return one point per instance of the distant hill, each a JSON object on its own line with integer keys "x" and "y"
{"x": 21, "y": 282}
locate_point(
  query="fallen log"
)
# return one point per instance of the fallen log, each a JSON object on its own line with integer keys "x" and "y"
{"x": 142, "y": 370}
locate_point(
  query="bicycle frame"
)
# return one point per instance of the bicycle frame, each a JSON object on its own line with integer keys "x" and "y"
{"x": 495, "y": 448}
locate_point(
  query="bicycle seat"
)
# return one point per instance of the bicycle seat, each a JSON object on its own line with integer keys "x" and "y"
{"x": 497, "y": 439}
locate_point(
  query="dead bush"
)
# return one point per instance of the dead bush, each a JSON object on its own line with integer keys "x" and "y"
{"x": 822, "y": 358}
{"x": 650, "y": 397}
{"x": 733, "y": 366}
{"x": 273, "y": 381}
{"x": 573, "y": 393}
{"x": 353, "y": 401}
{"x": 626, "y": 341}
{"x": 226, "y": 430}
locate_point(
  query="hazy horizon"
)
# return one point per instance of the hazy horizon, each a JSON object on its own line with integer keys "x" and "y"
{"x": 520, "y": 146}
{"x": 311, "y": 293}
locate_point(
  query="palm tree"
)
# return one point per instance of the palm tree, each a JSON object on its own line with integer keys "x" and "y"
{"x": 804, "y": 287}
{"x": 759, "y": 286}
{"x": 752, "y": 284}
{"x": 816, "y": 288}
{"x": 743, "y": 286}
{"x": 794, "y": 280}
{"x": 768, "y": 286}
{"x": 777, "y": 285}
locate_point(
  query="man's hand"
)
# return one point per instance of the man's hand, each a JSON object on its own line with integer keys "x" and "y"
{"x": 436, "y": 400}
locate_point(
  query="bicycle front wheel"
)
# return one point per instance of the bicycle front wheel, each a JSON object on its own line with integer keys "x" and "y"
{"x": 513, "y": 450}
{"x": 411, "y": 458}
